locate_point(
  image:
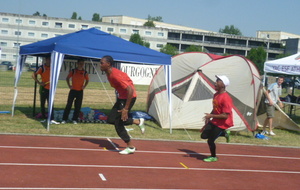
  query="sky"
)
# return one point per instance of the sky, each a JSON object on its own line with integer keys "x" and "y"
{"x": 248, "y": 16}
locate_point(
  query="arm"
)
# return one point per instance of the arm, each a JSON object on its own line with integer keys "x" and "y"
{"x": 280, "y": 103}
{"x": 68, "y": 82}
{"x": 209, "y": 116}
{"x": 128, "y": 101}
{"x": 85, "y": 84}
{"x": 34, "y": 76}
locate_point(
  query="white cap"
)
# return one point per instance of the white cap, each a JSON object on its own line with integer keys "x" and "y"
{"x": 224, "y": 79}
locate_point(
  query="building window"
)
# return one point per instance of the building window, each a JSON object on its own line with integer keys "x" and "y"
{"x": 98, "y": 27}
{"x": 5, "y": 20}
{"x": 3, "y": 56}
{"x": 109, "y": 29}
{"x": 43, "y": 35}
{"x": 17, "y": 44}
{"x": 3, "y": 44}
{"x": 161, "y": 34}
{"x": 18, "y": 21}
{"x": 58, "y": 25}
{"x": 84, "y": 26}
{"x": 15, "y": 56}
{"x": 148, "y": 33}
{"x": 31, "y": 34}
{"x": 45, "y": 23}
{"x": 135, "y": 31}
{"x": 32, "y": 22}
{"x": 71, "y": 25}
{"x": 159, "y": 45}
{"x": 4, "y": 31}
{"x": 57, "y": 35}
{"x": 17, "y": 33}
{"x": 123, "y": 30}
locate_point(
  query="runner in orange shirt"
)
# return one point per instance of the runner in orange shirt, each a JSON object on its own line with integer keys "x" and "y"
{"x": 125, "y": 101}
{"x": 44, "y": 72}
{"x": 80, "y": 80}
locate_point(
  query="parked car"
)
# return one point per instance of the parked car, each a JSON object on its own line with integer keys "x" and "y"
{"x": 8, "y": 64}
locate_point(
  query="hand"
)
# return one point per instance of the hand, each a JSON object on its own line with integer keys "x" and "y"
{"x": 206, "y": 118}
{"x": 42, "y": 84}
{"x": 124, "y": 113}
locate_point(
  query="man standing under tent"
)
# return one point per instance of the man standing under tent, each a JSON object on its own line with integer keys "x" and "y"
{"x": 80, "y": 79}
{"x": 272, "y": 97}
{"x": 125, "y": 101}
{"x": 44, "y": 72}
{"x": 219, "y": 119}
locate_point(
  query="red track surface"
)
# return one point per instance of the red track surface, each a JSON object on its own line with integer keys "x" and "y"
{"x": 40, "y": 162}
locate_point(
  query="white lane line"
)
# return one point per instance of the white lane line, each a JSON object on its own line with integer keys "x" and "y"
{"x": 112, "y": 144}
{"x": 148, "y": 167}
{"x": 102, "y": 177}
{"x": 154, "y": 152}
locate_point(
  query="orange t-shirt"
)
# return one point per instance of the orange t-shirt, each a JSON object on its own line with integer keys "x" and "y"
{"x": 120, "y": 81}
{"x": 78, "y": 78}
{"x": 44, "y": 71}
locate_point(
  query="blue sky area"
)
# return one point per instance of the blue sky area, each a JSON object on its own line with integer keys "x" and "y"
{"x": 247, "y": 15}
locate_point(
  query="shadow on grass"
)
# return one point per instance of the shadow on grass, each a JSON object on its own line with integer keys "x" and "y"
{"x": 193, "y": 154}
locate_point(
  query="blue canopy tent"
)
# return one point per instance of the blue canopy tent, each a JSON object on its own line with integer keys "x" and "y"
{"x": 91, "y": 43}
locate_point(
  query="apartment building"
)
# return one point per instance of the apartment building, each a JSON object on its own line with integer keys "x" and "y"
{"x": 275, "y": 35}
{"x": 17, "y": 30}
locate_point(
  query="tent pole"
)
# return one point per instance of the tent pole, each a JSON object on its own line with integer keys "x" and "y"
{"x": 34, "y": 92}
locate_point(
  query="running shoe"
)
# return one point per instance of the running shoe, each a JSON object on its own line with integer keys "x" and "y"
{"x": 128, "y": 150}
{"x": 227, "y": 136}
{"x": 141, "y": 125}
{"x": 272, "y": 133}
{"x": 74, "y": 122}
{"x": 264, "y": 133}
{"x": 54, "y": 122}
{"x": 210, "y": 159}
{"x": 43, "y": 121}
{"x": 63, "y": 122}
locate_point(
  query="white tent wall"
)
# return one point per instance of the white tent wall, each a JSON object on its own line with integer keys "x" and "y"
{"x": 191, "y": 67}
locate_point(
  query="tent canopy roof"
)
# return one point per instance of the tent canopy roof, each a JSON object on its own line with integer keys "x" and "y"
{"x": 288, "y": 65}
{"x": 94, "y": 43}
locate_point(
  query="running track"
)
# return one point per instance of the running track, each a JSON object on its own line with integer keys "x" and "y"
{"x": 46, "y": 162}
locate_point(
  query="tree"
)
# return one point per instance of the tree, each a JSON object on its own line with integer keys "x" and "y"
{"x": 74, "y": 16}
{"x": 136, "y": 38}
{"x": 37, "y": 14}
{"x": 231, "y": 30}
{"x": 169, "y": 49}
{"x": 157, "y": 18}
{"x": 96, "y": 17}
{"x": 149, "y": 23}
{"x": 194, "y": 48}
{"x": 258, "y": 57}
{"x": 281, "y": 56}
{"x": 79, "y": 18}
{"x": 44, "y": 15}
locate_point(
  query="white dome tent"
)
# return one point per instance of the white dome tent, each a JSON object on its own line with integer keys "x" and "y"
{"x": 193, "y": 77}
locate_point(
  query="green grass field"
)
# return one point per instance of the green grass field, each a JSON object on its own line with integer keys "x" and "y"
{"x": 102, "y": 97}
